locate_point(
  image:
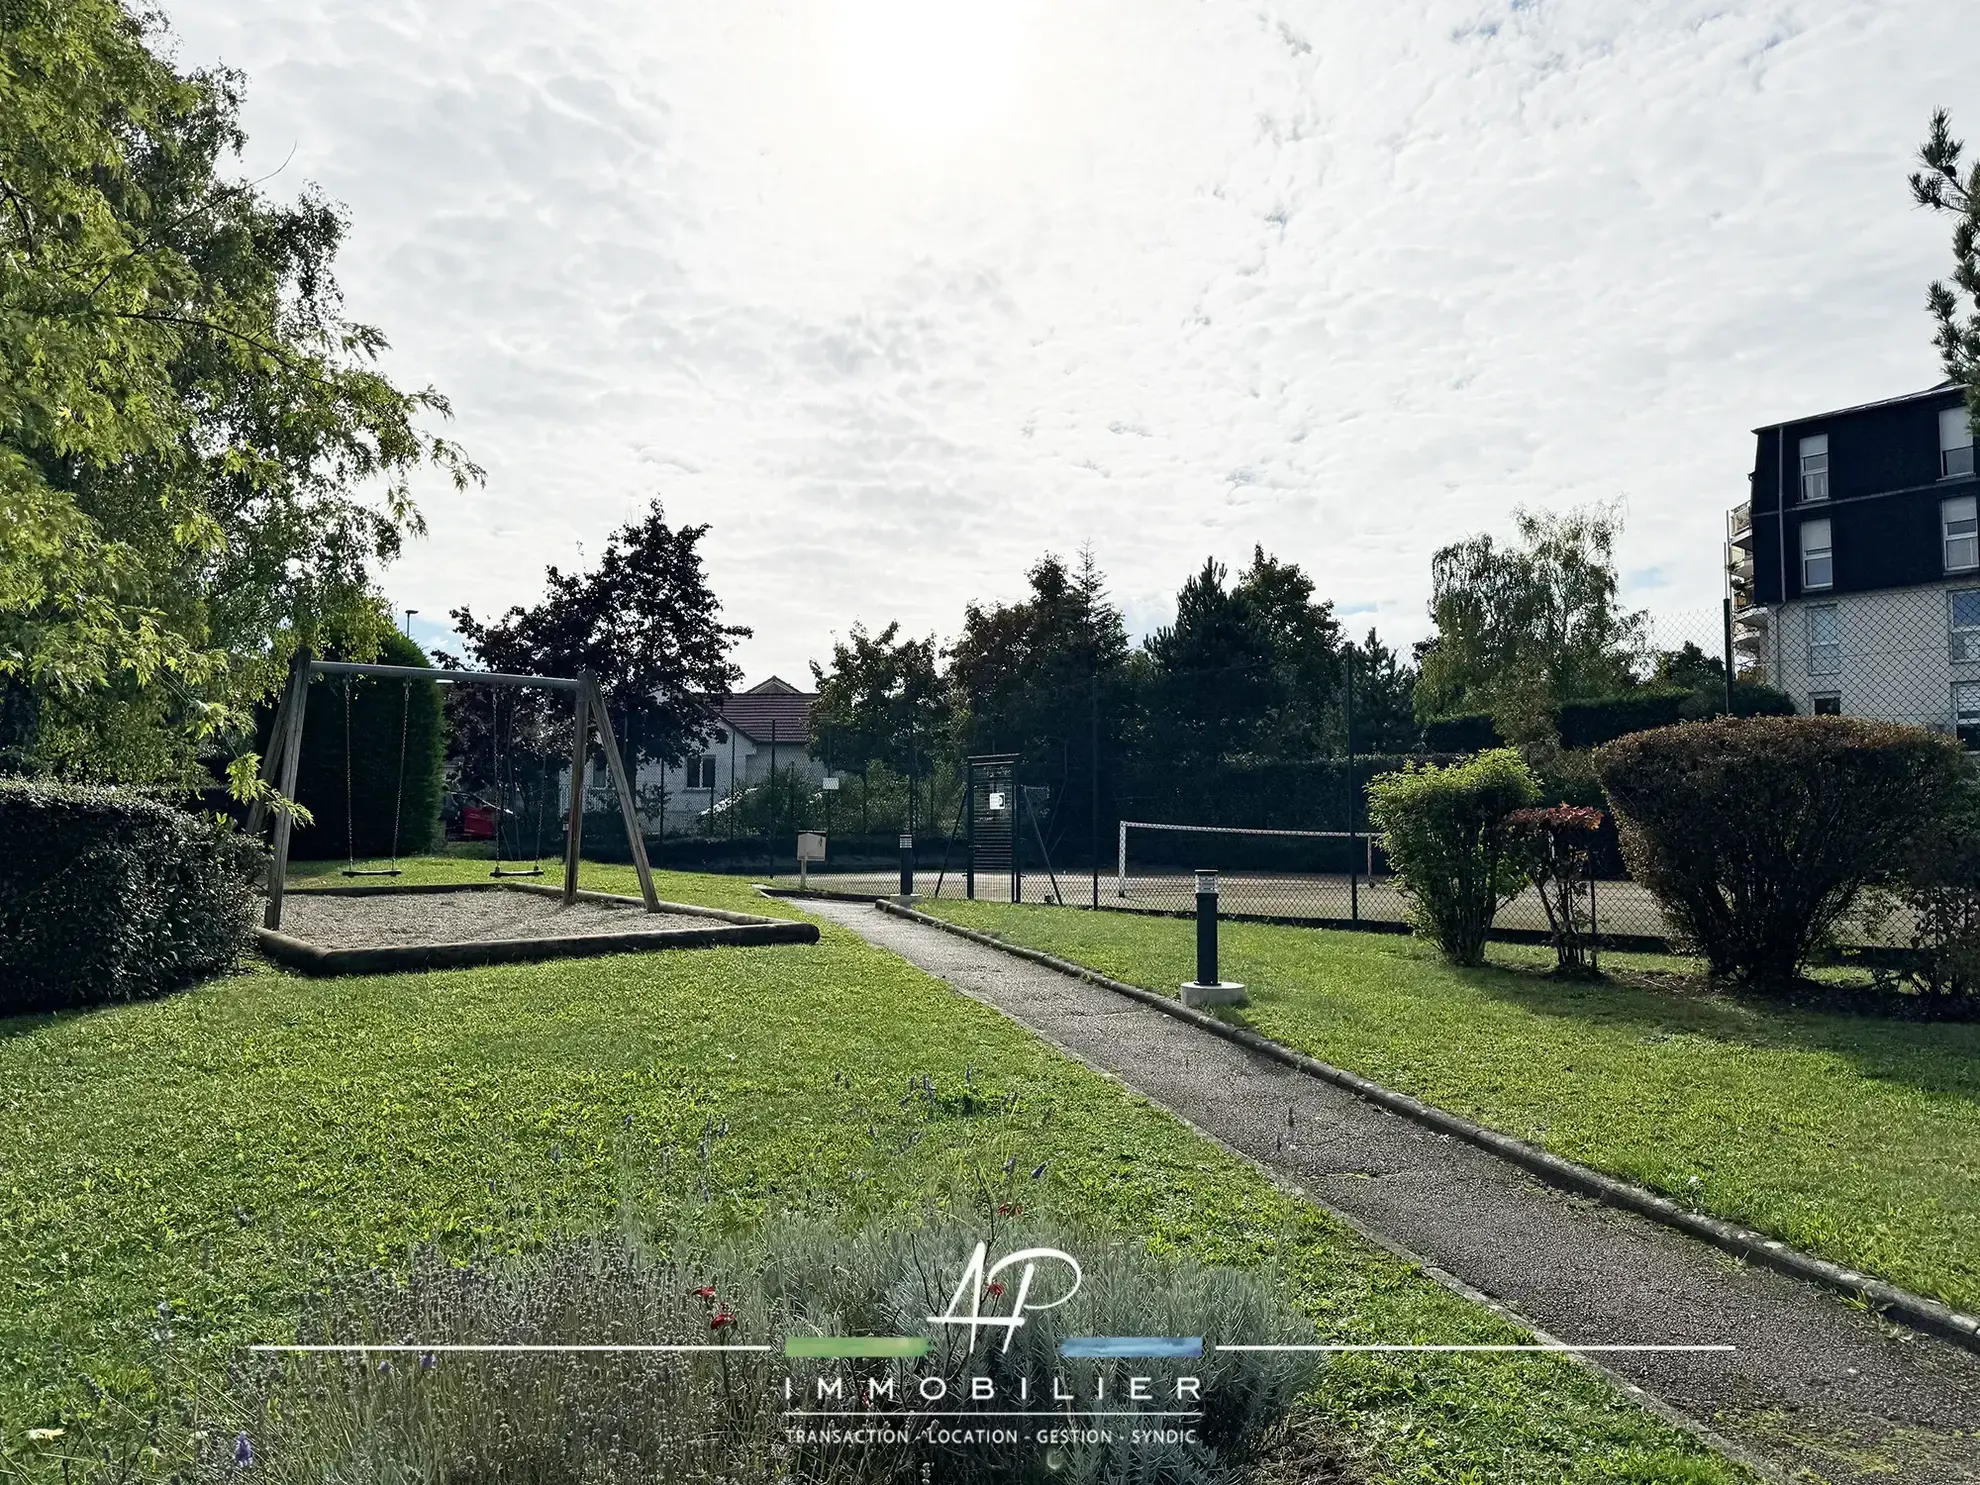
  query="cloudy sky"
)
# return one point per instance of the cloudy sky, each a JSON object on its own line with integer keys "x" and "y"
{"x": 897, "y": 294}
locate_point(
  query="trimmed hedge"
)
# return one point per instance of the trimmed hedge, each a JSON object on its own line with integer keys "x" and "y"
{"x": 378, "y": 709}
{"x": 1759, "y": 834}
{"x": 1589, "y": 724}
{"x": 108, "y": 896}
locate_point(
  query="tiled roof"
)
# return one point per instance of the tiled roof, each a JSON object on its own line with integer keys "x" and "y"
{"x": 775, "y": 702}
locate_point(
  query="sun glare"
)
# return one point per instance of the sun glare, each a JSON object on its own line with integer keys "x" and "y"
{"x": 930, "y": 66}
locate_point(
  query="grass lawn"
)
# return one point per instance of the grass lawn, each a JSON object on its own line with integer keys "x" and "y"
{"x": 222, "y": 1150}
{"x": 1854, "y": 1138}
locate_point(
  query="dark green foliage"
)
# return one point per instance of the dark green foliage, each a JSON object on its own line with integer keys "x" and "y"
{"x": 1448, "y": 841}
{"x": 1940, "y": 891}
{"x": 1589, "y": 724}
{"x": 378, "y": 711}
{"x": 1462, "y": 732}
{"x": 1758, "y": 834}
{"x": 108, "y": 896}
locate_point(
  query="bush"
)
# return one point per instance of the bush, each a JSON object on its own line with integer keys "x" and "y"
{"x": 1940, "y": 893}
{"x": 1445, "y": 832}
{"x": 607, "y": 1417}
{"x": 1558, "y": 846}
{"x": 1758, "y": 834}
{"x": 107, "y": 896}
{"x": 379, "y": 711}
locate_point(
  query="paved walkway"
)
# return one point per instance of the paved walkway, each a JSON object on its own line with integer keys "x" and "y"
{"x": 1822, "y": 1391}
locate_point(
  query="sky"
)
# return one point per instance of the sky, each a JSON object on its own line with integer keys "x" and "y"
{"x": 897, "y": 295}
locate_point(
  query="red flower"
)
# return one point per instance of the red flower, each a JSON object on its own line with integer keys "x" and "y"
{"x": 1010, "y": 1209}
{"x": 704, "y": 1292}
{"x": 996, "y": 1289}
{"x": 720, "y": 1320}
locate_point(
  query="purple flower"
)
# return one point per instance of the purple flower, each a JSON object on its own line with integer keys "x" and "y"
{"x": 243, "y": 1451}
{"x": 427, "y": 1361}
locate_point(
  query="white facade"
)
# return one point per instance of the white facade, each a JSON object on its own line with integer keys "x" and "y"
{"x": 730, "y": 759}
{"x": 1897, "y": 654}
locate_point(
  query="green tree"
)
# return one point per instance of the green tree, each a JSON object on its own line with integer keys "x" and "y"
{"x": 1384, "y": 695}
{"x": 644, "y": 623}
{"x": 1522, "y": 628}
{"x": 1254, "y": 669}
{"x": 1940, "y": 187}
{"x": 881, "y": 702}
{"x": 200, "y": 466}
{"x": 1045, "y": 678}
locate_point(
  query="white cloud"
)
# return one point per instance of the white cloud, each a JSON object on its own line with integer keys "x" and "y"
{"x": 1168, "y": 277}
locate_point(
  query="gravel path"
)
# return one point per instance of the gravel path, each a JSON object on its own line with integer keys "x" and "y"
{"x": 394, "y": 919}
{"x": 1821, "y": 1391}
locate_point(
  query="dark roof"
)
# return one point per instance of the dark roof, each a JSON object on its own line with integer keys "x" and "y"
{"x": 773, "y": 702}
{"x": 1940, "y": 390}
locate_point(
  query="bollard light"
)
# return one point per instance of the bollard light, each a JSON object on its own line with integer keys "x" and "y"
{"x": 907, "y": 865}
{"x": 1208, "y": 988}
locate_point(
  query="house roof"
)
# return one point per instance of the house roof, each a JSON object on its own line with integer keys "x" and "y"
{"x": 772, "y": 704}
{"x": 1939, "y": 391}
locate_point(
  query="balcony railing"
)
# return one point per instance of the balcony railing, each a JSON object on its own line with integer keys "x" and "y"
{"x": 1739, "y": 523}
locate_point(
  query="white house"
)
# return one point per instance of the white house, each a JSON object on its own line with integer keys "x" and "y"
{"x": 767, "y": 726}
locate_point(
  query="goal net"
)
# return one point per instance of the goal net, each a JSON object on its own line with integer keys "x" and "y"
{"x": 1288, "y": 873}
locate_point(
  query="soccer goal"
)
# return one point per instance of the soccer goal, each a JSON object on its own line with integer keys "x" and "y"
{"x": 1154, "y": 863}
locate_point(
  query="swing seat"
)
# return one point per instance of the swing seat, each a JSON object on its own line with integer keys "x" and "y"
{"x": 374, "y": 871}
{"x": 528, "y": 871}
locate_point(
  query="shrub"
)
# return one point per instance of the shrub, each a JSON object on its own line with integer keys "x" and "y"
{"x": 107, "y": 895}
{"x": 380, "y": 711}
{"x": 1940, "y": 893}
{"x": 1758, "y": 834}
{"x": 607, "y": 1417}
{"x": 1445, "y": 832}
{"x": 1557, "y": 846}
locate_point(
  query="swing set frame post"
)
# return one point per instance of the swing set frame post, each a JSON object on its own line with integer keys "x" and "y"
{"x": 285, "y": 754}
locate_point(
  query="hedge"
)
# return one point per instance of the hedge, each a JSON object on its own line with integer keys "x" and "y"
{"x": 1759, "y": 834}
{"x": 1589, "y": 724}
{"x": 376, "y": 709}
{"x": 107, "y": 895}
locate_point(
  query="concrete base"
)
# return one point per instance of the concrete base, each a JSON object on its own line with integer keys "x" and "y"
{"x": 1225, "y": 992}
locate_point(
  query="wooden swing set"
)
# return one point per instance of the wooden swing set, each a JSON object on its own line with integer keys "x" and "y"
{"x": 285, "y": 753}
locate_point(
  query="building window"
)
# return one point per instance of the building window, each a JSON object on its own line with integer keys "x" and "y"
{"x": 1966, "y": 711}
{"x": 1955, "y": 443}
{"x": 1963, "y": 625}
{"x": 1962, "y": 533}
{"x": 1826, "y": 703}
{"x": 701, "y": 772}
{"x": 1815, "y": 467}
{"x": 1818, "y": 565}
{"x": 1824, "y": 640}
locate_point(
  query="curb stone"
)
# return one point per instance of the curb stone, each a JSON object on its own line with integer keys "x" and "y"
{"x": 1913, "y": 1310}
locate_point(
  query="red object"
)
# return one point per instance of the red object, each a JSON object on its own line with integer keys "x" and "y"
{"x": 477, "y": 822}
{"x": 721, "y": 1321}
{"x": 704, "y": 1293}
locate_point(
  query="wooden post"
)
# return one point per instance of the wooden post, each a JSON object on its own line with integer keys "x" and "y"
{"x": 297, "y": 703}
{"x": 271, "y": 760}
{"x": 627, "y": 808}
{"x": 574, "y": 826}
